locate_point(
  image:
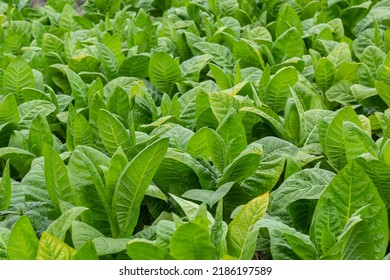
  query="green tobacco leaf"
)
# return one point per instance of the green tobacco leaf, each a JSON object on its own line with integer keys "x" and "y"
{"x": 133, "y": 183}
{"x": 22, "y": 243}
{"x": 357, "y": 142}
{"x": 220, "y": 104}
{"x": 135, "y": 66}
{"x": 350, "y": 191}
{"x": 87, "y": 252}
{"x": 191, "y": 242}
{"x": 40, "y": 134}
{"x": 20, "y": 159}
{"x": 333, "y": 140}
{"x": 243, "y": 230}
{"x": 208, "y": 196}
{"x": 30, "y": 109}
{"x": 5, "y": 189}
{"x": 288, "y": 45}
{"x": 383, "y": 91}
{"x": 113, "y": 133}
{"x": 88, "y": 187}
{"x": 61, "y": 225}
{"x": 9, "y": 110}
{"x": 109, "y": 61}
{"x": 306, "y": 184}
{"x": 4, "y": 236}
{"x": 269, "y": 117}
{"x": 287, "y": 18}
{"x": 222, "y": 56}
{"x": 82, "y": 233}
{"x": 286, "y": 242}
{"x": 17, "y": 76}
{"x": 82, "y": 133}
{"x": 379, "y": 173}
{"x": 278, "y": 89}
{"x": 56, "y": 175}
{"x": 243, "y": 165}
{"x": 118, "y": 102}
{"x": 208, "y": 144}
{"x": 117, "y": 164}
{"x": 189, "y": 208}
{"x": 139, "y": 249}
{"x": 51, "y": 248}
{"x": 179, "y": 172}
{"x": 164, "y": 72}
{"x": 107, "y": 246}
{"x": 354, "y": 243}
{"x": 325, "y": 72}
{"x": 233, "y": 133}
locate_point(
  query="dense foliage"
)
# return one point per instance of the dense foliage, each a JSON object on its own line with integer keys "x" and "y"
{"x": 195, "y": 129}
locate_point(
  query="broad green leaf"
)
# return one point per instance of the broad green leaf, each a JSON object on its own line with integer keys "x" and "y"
{"x": 383, "y": 91}
{"x": 233, "y": 133}
{"x": 82, "y": 132}
{"x": 164, "y": 72}
{"x": 87, "y": 252}
{"x": 82, "y": 233}
{"x": 139, "y": 249}
{"x": 287, "y": 18}
{"x": 269, "y": 117}
{"x": 373, "y": 57}
{"x": 79, "y": 89}
{"x": 325, "y": 72}
{"x": 113, "y": 133}
{"x": 333, "y": 140}
{"x": 189, "y": 208}
{"x": 108, "y": 60}
{"x": 306, "y": 184}
{"x": 30, "y": 109}
{"x": 222, "y": 56}
{"x": 221, "y": 103}
{"x": 243, "y": 230}
{"x": 357, "y": 142}
{"x": 108, "y": 246}
{"x": 208, "y": 144}
{"x": 133, "y": 183}
{"x": 340, "y": 92}
{"x": 379, "y": 173}
{"x": 286, "y": 242}
{"x": 288, "y": 45}
{"x": 340, "y": 54}
{"x": 4, "y": 236}
{"x": 58, "y": 5}
{"x": 302, "y": 248}
{"x": 352, "y": 190}
{"x": 117, "y": 164}
{"x": 135, "y": 66}
{"x": 40, "y": 134}
{"x": 51, "y": 248}
{"x": 61, "y": 225}
{"x": 192, "y": 67}
{"x": 243, "y": 166}
{"x": 208, "y": 196}
{"x": 9, "y": 110}
{"x": 22, "y": 242}
{"x": 278, "y": 89}
{"x": 354, "y": 243}
{"x": 56, "y": 175}
{"x": 5, "y": 189}
{"x": 88, "y": 187}
{"x": 20, "y": 159}
{"x": 191, "y": 242}
{"x": 17, "y": 76}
